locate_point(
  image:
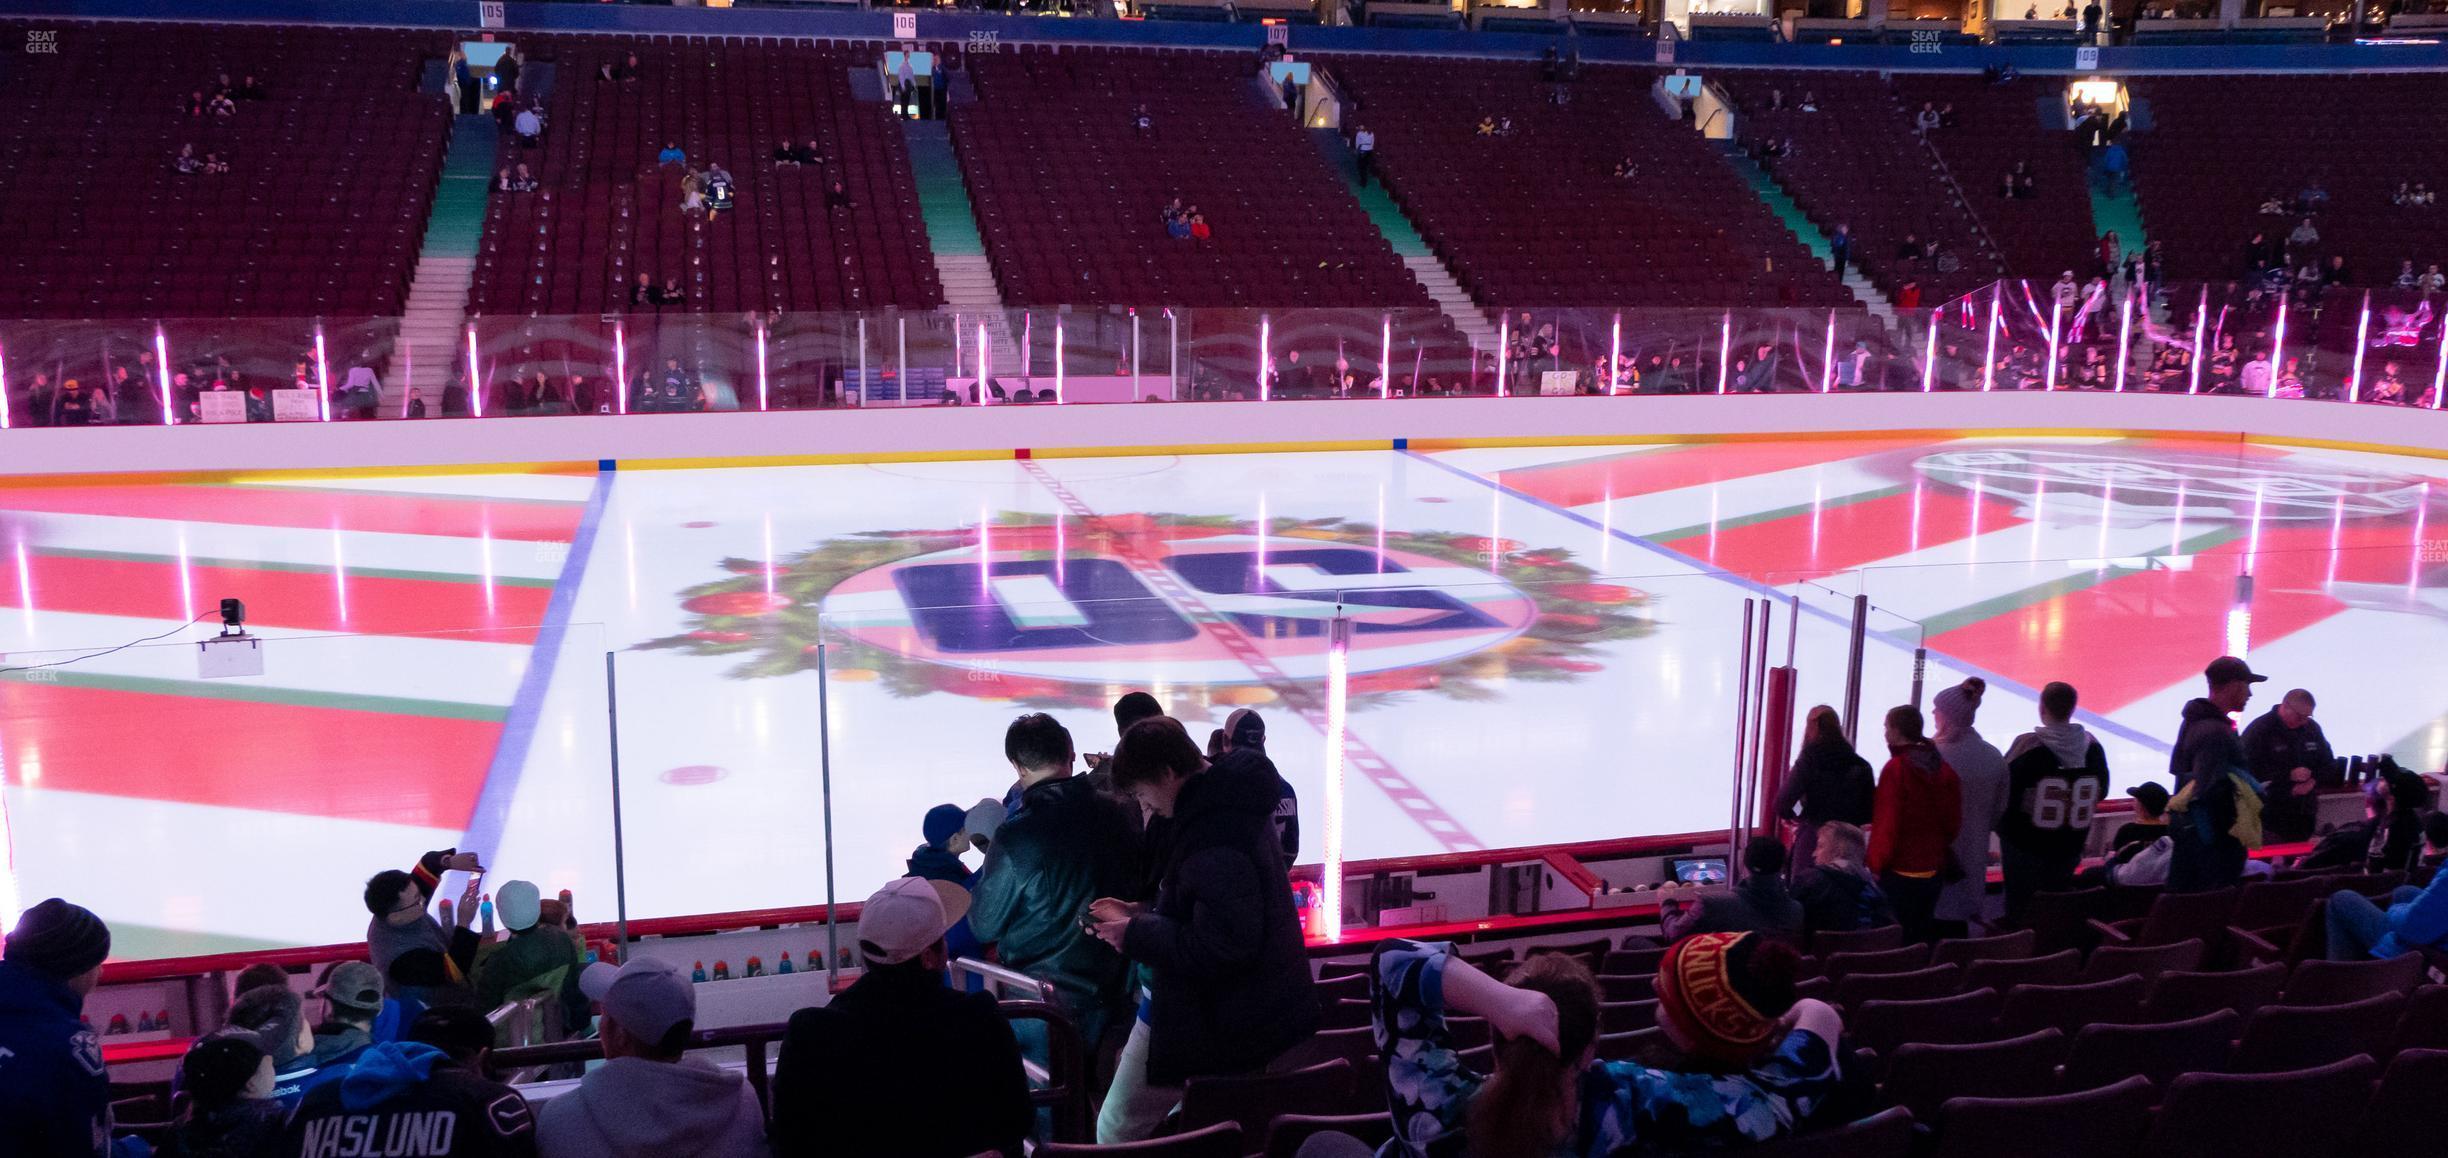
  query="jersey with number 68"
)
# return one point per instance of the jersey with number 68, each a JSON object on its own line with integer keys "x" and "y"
{"x": 2051, "y": 795}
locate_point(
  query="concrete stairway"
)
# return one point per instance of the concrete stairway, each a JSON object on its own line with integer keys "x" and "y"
{"x": 433, "y": 333}
{"x": 433, "y": 327}
{"x": 960, "y": 254}
{"x": 1456, "y": 305}
{"x": 1422, "y": 261}
{"x": 1800, "y": 225}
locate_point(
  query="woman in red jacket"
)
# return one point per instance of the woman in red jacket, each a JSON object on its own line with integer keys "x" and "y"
{"x": 1916, "y": 813}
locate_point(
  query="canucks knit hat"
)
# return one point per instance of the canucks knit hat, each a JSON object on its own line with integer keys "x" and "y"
{"x": 1721, "y": 995}
{"x": 58, "y": 940}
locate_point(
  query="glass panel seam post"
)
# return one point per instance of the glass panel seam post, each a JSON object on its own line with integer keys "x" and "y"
{"x": 824, "y": 769}
{"x": 620, "y": 877}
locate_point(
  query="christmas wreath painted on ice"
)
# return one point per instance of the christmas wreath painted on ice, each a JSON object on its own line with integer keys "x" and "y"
{"x": 767, "y": 616}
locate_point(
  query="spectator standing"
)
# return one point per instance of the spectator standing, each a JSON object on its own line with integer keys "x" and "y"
{"x": 1364, "y": 152}
{"x": 2057, "y": 776}
{"x": 463, "y": 81}
{"x": 649, "y": 1099}
{"x": 529, "y": 125}
{"x": 1754, "y": 1061}
{"x": 898, "y": 1064}
{"x": 536, "y": 958}
{"x": 938, "y": 856}
{"x": 1245, "y": 731}
{"x": 1980, "y": 772}
{"x": 432, "y": 1085}
{"x": 1918, "y": 813}
{"x": 54, "y": 1089}
{"x": 1838, "y": 891}
{"x": 1231, "y": 984}
{"x": 1840, "y": 246}
{"x": 1129, "y": 709}
{"x": 1063, "y": 846}
{"x": 414, "y": 953}
{"x": 2286, "y": 739}
{"x": 227, "y": 1080}
{"x": 2207, "y": 764}
{"x": 1830, "y": 782}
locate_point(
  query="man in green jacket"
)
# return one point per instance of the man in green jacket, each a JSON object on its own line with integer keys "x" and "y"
{"x": 1066, "y": 844}
{"x": 537, "y": 958}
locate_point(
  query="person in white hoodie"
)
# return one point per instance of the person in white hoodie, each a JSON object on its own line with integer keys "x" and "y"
{"x": 1982, "y": 771}
{"x": 2057, "y": 774}
{"x": 649, "y": 1100}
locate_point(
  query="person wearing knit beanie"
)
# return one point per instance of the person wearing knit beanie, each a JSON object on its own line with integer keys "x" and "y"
{"x": 1722, "y": 997}
{"x": 1982, "y": 781}
{"x": 54, "y": 1087}
{"x": 61, "y": 941}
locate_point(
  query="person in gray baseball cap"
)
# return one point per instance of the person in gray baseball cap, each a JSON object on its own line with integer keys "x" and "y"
{"x": 352, "y": 993}
{"x": 649, "y": 1099}
{"x": 54, "y": 1090}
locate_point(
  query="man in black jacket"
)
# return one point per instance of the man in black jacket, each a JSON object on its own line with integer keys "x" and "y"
{"x": 426, "y": 1095}
{"x": 2286, "y": 738}
{"x": 2207, "y": 855}
{"x": 1231, "y": 986}
{"x": 2057, "y": 774}
{"x": 899, "y": 1064}
{"x": 1064, "y": 846}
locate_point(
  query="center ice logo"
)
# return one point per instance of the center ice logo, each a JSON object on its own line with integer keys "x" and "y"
{"x": 2176, "y": 484}
{"x": 1064, "y": 613}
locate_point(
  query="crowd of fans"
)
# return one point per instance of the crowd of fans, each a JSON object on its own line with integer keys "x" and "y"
{"x": 1147, "y": 889}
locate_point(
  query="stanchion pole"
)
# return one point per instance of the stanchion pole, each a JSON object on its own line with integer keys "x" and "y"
{"x": 1742, "y": 715}
{"x": 1853, "y": 666}
{"x": 824, "y": 771}
{"x": 620, "y": 871}
{"x": 1756, "y": 774}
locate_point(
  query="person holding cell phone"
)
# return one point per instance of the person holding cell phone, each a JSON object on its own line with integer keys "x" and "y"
{"x": 416, "y": 954}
